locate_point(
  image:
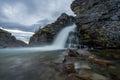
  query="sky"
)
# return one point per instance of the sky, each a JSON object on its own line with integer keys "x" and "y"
{"x": 23, "y": 17}
{"x": 30, "y": 12}
{"x": 20, "y": 35}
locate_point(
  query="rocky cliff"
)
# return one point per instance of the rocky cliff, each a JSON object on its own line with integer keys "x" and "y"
{"x": 7, "y": 40}
{"x": 98, "y": 22}
{"x": 48, "y": 33}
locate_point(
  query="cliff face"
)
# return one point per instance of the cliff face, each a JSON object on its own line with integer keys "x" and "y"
{"x": 47, "y": 34}
{"x": 7, "y": 40}
{"x": 98, "y": 22}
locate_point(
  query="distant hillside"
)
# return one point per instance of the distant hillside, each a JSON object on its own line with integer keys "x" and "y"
{"x": 7, "y": 40}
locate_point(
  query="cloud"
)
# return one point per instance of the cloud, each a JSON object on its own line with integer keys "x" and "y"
{"x": 28, "y": 12}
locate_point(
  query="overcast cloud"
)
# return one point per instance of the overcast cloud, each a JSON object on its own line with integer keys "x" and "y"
{"x": 29, "y": 12}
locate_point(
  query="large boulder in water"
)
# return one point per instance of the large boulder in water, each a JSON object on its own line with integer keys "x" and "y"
{"x": 7, "y": 40}
{"x": 98, "y": 22}
{"x": 48, "y": 33}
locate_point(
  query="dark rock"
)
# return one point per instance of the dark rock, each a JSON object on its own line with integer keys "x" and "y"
{"x": 69, "y": 68}
{"x": 72, "y": 53}
{"x": 49, "y": 32}
{"x": 98, "y": 22}
{"x": 72, "y": 77}
{"x": 7, "y": 40}
{"x": 114, "y": 77}
{"x": 83, "y": 53}
{"x": 79, "y": 6}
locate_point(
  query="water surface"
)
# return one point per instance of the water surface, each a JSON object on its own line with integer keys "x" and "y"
{"x": 15, "y": 64}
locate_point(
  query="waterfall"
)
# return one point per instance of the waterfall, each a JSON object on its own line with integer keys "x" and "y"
{"x": 72, "y": 41}
{"x": 61, "y": 39}
{"x": 58, "y": 43}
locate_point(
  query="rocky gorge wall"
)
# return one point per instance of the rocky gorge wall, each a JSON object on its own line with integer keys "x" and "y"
{"x": 97, "y": 21}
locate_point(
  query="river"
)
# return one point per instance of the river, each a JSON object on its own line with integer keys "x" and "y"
{"x": 38, "y": 65}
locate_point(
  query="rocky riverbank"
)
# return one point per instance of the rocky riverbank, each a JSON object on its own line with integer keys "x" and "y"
{"x": 83, "y": 65}
{"x": 56, "y": 65}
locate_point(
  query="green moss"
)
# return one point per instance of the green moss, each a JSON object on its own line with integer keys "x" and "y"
{"x": 103, "y": 39}
{"x": 101, "y": 31}
{"x": 86, "y": 36}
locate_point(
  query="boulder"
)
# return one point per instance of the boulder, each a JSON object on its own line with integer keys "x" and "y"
{"x": 69, "y": 68}
{"x": 71, "y": 53}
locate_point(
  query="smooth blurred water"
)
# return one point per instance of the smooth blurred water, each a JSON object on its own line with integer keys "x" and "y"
{"x": 58, "y": 44}
{"x": 27, "y": 64}
{"x": 61, "y": 39}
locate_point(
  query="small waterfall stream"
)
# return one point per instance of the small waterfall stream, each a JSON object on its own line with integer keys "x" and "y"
{"x": 61, "y": 39}
{"x": 72, "y": 41}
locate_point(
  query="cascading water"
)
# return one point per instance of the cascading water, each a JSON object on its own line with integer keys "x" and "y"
{"x": 61, "y": 39}
{"x": 72, "y": 41}
{"x": 59, "y": 42}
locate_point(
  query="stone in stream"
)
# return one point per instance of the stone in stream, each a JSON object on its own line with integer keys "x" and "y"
{"x": 72, "y": 77}
{"x": 77, "y": 66}
{"x": 84, "y": 74}
{"x": 69, "y": 68}
{"x": 82, "y": 65}
{"x": 96, "y": 76}
{"x": 71, "y": 53}
{"x": 83, "y": 52}
{"x": 100, "y": 62}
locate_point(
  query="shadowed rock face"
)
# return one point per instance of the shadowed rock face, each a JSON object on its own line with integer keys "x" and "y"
{"x": 7, "y": 40}
{"x": 47, "y": 34}
{"x": 98, "y": 22}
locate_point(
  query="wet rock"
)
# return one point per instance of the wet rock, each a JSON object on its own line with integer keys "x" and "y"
{"x": 72, "y": 53}
{"x": 69, "y": 68}
{"x": 114, "y": 77}
{"x": 72, "y": 77}
{"x": 101, "y": 62}
{"x": 82, "y": 65}
{"x": 87, "y": 68}
{"x": 83, "y": 52}
{"x": 96, "y": 76}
